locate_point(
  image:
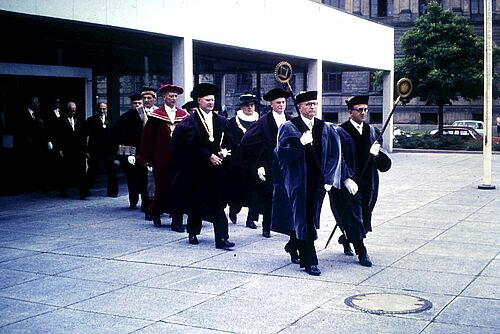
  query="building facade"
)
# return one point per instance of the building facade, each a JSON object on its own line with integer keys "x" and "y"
{"x": 401, "y": 15}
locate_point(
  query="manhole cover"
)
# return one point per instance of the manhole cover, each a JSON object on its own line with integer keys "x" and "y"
{"x": 388, "y": 303}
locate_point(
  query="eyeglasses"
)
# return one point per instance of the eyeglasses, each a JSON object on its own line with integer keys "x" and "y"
{"x": 361, "y": 110}
{"x": 310, "y": 104}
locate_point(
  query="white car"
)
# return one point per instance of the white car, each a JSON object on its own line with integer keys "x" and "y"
{"x": 476, "y": 125}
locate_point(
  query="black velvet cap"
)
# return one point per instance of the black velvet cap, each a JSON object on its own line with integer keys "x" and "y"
{"x": 306, "y": 96}
{"x": 135, "y": 97}
{"x": 275, "y": 93}
{"x": 204, "y": 89}
{"x": 358, "y": 99}
{"x": 247, "y": 99}
{"x": 190, "y": 104}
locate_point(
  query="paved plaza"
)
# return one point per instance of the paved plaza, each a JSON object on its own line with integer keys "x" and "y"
{"x": 95, "y": 266}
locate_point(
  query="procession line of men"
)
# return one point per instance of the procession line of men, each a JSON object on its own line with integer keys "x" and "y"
{"x": 277, "y": 166}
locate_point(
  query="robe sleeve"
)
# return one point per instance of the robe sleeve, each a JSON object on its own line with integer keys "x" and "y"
{"x": 289, "y": 147}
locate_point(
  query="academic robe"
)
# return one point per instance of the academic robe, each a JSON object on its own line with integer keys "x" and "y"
{"x": 257, "y": 149}
{"x": 356, "y": 219}
{"x": 295, "y": 166}
{"x": 156, "y": 150}
{"x": 198, "y": 184}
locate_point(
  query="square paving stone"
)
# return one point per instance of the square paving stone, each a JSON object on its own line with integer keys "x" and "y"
{"x": 440, "y": 328}
{"x": 14, "y": 277}
{"x": 63, "y": 321}
{"x": 273, "y": 288}
{"x": 244, "y": 262}
{"x": 472, "y": 312}
{"x": 104, "y": 248}
{"x": 120, "y": 272}
{"x": 15, "y": 310}
{"x": 448, "y": 264}
{"x": 241, "y": 315}
{"x": 493, "y": 269}
{"x": 417, "y": 280}
{"x": 47, "y": 263}
{"x": 58, "y": 291}
{"x": 483, "y": 287}
{"x": 40, "y": 243}
{"x": 172, "y": 255}
{"x": 199, "y": 280}
{"x": 168, "y": 328}
{"x": 331, "y": 321}
{"x": 143, "y": 303}
{"x": 7, "y": 254}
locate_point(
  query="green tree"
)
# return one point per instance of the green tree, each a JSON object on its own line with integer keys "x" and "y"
{"x": 443, "y": 57}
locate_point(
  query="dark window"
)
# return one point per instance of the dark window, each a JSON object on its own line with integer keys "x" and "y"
{"x": 244, "y": 82}
{"x": 477, "y": 6}
{"x": 381, "y": 8}
{"x": 332, "y": 82}
{"x": 428, "y": 118}
{"x": 340, "y": 4}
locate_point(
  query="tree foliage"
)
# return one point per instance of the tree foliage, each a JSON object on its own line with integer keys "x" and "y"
{"x": 443, "y": 57}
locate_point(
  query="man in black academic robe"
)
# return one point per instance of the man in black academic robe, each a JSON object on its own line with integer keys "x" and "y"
{"x": 197, "y": 144}
{"x": 257, "y": 149}
{"x": 353, "y": 204}
{"x": 308, "y": 164}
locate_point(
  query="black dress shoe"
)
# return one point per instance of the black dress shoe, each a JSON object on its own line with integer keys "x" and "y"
{"x": 313, "y": 270}
{"x": 177, "y": 228}
{"x": 251, "y": 224}
{"x": 365, "y": 260}
{"x": 233, "y": 218}
{"x": 266, "y": 234}
{"x": 132, "y": 206}
{"x": 63, "y": 194}
{"x": 347, "y": 249}
{"x": 114, "y": 195}
{"x": 157, "y": 221}
{"x": 224, "y": 244}
{"x": 294, "y": 256}
{"x": 148, "y": 216}
{"x": 193, "y": 240}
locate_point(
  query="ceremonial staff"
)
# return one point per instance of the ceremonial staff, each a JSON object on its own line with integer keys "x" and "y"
{"x": 404, "y": 88}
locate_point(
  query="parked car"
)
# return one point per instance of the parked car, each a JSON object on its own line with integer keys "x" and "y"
{"x": 464, "y": 132}
{"x": 476, "y": 125}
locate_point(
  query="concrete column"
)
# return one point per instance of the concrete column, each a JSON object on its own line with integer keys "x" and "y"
{"x": 182, "y": 66}
{"x": 315, "y": 81}
{"x": 387, "y": 105}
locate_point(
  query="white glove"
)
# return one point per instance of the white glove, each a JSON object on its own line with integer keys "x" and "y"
{"x": 150, "y": 168}
{"x": 261, "y": 172}
{"x": 131, "y": 159}
{"x": 328, "y": 187}
{"x": 375, "y": 148}
{"x": 351, "y": 186}
{"x": 224, "y": 152}
{"x": 50, "y": 147}
{"x": 306, "y": 138}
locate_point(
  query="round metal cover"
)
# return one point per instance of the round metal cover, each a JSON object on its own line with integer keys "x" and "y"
{"x": 388, "y": 303}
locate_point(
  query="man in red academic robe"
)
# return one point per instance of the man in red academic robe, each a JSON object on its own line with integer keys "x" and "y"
{"x": 156, "y": 151}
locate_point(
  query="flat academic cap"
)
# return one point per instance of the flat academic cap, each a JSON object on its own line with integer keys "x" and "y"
{"x": 170, "y": 88}
{"x": 148, "y": 90}
{"x": 275, "y": 93}
{"x": 135, "y": 97}
{"x": 190, "y": 104}
{"x": 306, "y": 96}
{"x": 358, "y": 99}
{"x": 247, "y": 99}
{"x": 204, "y": 89}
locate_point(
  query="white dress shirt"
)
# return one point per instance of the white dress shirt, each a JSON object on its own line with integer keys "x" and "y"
{"x": 279, "y": 118}
{"x": 171, "y": 113}
{"x": 357, "y": 126}
{"x": 309, "y": 122}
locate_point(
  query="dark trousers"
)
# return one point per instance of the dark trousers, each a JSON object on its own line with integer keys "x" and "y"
{"x": 221, "y": 229}
{"x": 307, "y": 253}
{"x": 253, "y": 214}
{"x": 135, "y": 176}
{"x": 72, "y": 172}
{"x": 110, "y": 168}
